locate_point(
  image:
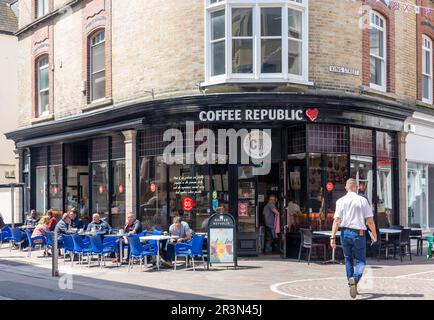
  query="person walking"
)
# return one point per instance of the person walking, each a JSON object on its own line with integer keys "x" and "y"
{"x": 352, "y": 214}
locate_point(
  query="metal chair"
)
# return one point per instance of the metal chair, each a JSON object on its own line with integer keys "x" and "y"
{"x": 190, "y": 250}
{"x": 140, "y": 251}
{"x": 404, "y": 243}
{"x": 32, "y": 243}
{"x": 17, "y": 238}
{"x": 307, "y": 243}
{"x": 100, "y": 248}
{"x": 418, "y": 236}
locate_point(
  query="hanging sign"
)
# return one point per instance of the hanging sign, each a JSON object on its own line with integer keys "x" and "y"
{"x": 330, "y": 186}
{"x": 222, "y": 239}
{"x": 187, "y": 204}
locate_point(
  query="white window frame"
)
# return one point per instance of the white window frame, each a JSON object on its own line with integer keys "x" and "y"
{"x": 427, "y": 47}
{"x": 257, "y": 76}
{"x": 44, "y": 4}
{"x": 91, "y": 71}
{"x": 383, "y": 86}
{"x": 42, "y": 112}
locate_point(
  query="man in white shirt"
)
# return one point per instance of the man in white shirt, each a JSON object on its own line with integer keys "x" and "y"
{"x": 353, "y": 213}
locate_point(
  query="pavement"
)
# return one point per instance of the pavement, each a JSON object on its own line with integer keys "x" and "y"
{"x": 262, "y": 278}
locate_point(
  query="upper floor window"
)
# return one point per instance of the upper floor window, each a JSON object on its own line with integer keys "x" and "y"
{"x": 97, "y": 80}
{"x": 378, "y": 52}
{"x": 427, "y": 85}
{"x": 41, "y": 8}
{"x": 256, "y": 40}
{"x": 43, "y": 92}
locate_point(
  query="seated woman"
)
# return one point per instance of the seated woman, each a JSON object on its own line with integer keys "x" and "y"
{"x": 40, "y": 229}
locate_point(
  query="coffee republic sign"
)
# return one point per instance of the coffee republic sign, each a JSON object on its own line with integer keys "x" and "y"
{"x": 259, "y": 114}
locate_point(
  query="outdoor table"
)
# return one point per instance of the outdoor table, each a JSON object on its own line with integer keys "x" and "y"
{"x": 27, "y": 227}
{"x": 387, "y": 231}
{"x": 329, "y": 234}
{"x": 157, "y": 239}
{"x": 119, "y": 236}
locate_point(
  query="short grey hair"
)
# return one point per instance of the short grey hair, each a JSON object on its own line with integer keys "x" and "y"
{"x": 351, "y": 182}
{"x": 65, "y": 216}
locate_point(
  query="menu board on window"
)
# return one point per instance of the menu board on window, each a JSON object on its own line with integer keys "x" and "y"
{"x": 222, "y": 239}
{"x": 188, "y": 185}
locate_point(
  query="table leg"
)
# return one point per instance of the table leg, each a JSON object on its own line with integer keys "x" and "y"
{"x": 387, "y": 246}
{"x": 121, "y": 240}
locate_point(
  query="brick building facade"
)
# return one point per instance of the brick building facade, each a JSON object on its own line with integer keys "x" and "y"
{"x": 158, "y": 64}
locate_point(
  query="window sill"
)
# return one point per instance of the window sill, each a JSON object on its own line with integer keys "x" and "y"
{"x": 37, "y": 120}
{"x": 424, "y": 104}
{"x": 256, "y": 81}
{"x": 98, "y": 104}
{"x": 378, "y": 93}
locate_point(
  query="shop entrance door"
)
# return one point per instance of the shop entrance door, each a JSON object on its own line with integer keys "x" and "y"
{"x": 253, "y": 192}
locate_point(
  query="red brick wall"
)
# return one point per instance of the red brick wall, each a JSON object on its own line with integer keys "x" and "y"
{"x": 389, "y": 15}
{"x": 423, "y": 30}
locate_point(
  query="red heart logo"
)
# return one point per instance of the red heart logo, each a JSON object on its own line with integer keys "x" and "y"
{"x": 312, "y": 114}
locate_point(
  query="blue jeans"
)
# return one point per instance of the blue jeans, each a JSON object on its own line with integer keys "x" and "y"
{"x": 354, "y": 246}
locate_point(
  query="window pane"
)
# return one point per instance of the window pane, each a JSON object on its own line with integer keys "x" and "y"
{"x": 418, "y": 194}
{"x": 56, "y": 194}
{"x": 361, "y": 170}
{"x": 377, "y": 45}
{"x": 427, "y": 63}
{"x": 385, "y": 193}
{"x": 376, "y": 71}
{"x": 153, "y": 194}
{"x": 271, "y": 56}
{"x": 361, "y": 141}
{"x": 100, "y": 203}
{"x": 294, "y": 23}
{"x": 43, "y": 101}
{"x": 426, "y": 87}
{"x": 98, "y": 58}
{"x": 217, "y": 58}
{"x": 118, "y": 194}
{"x": 294, "y": 57}
{"x": 271, "y": 22}
{"x": 98, "y": 85}
{"x": 242, "y": 22}
{"x": 41, "y": 190}
{"x": 43, "y": 79}
{"x": 242, "y": 56}
{"x": 217, "y": 25}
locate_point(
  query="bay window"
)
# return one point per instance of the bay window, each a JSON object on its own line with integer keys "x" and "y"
{"x": 256, "y": 40}
{"x": 427, "y": 70}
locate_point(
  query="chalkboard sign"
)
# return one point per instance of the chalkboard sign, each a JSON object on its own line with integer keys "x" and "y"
{"x": 222, "y": 242}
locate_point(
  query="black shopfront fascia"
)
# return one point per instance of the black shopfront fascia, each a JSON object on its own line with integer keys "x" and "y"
{"x": 345, "y": 109}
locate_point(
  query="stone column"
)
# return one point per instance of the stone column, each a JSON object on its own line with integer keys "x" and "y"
{"x": 19, "y": 161}
{"x": 130, "y": 171}
{"x": 402, "y": 185}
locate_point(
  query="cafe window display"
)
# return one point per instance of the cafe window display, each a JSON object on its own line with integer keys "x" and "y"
{"x": 417, "y": 195}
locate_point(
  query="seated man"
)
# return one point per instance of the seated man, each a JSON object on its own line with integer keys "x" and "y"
{"x": 32, "y": 219}
{"x": 99, "y": 225}
{"x": 182, "y": 231}
{"x": 76, "y": 222}
{"x": 64, "y": 225}
{"x": 133, "y": 226}
{"x": 52, "y": 220}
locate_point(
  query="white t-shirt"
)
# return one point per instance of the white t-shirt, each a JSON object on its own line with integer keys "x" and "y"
{"x": 353, "y": 209}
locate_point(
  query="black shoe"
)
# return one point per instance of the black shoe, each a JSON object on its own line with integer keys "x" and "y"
{"x": 353, "y": 287}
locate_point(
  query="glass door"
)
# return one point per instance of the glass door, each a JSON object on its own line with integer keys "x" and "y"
{"x": 246, "y": 200}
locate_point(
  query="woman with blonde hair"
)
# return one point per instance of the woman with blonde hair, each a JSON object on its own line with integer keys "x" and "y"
{"x": 41, "y": 228}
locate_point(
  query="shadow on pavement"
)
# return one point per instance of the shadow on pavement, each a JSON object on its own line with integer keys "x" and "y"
{"x": 373, "y": 296}
{"x": 34, "y": 283}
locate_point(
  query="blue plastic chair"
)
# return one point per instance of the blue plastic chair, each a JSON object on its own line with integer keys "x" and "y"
{"x": 49, "y": 235}
{"x": 81, "y": 247}
{"x": 17, "y": 237}
{"x": 140, "y": 251}
{"x": 6, "y": 235}
{"x": 143, "y": 233}
{"x": 100, "y": 248}
{"x": 32, "y": 240}
{"x": 157, "y": 233}
{"x": 190, "y": 250}
{"x": 68, "y": 247}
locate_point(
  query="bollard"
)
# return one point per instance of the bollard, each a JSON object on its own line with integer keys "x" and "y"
{"x": 55, "y": 256}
